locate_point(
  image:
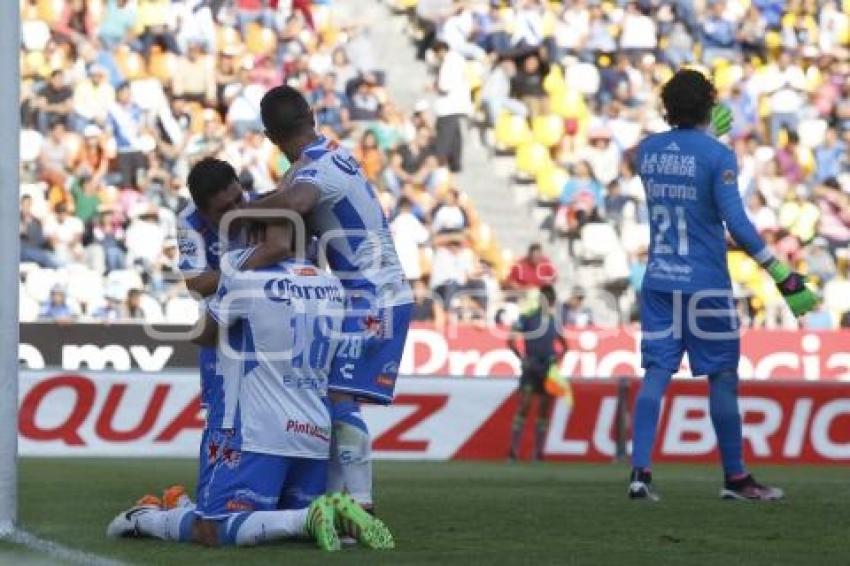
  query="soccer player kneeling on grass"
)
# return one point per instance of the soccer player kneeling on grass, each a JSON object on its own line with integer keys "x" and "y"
{"x": 268, "y": 439}
{"x": 691, "y": 184}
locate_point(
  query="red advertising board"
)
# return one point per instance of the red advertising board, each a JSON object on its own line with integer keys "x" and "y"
{"x": 135, "y": 414}
{"x": 766, "y": 354}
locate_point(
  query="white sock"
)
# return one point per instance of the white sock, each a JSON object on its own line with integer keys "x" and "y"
{"x": 351, "y": 453}
{"x": 336, "y": 481}
{"x": 166, "y": 525}
{"x": 261, "y": 526}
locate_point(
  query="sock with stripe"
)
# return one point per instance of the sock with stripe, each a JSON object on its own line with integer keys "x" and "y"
{"x": 351, "y": 453}
{"x": 257, "y": 527}
{"x": 174, "y": 524}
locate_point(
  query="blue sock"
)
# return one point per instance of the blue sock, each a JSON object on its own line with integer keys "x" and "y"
{"x": 647, "y": 407}
{"x": 185, "y": 530}
{"x": 723, "y": 404}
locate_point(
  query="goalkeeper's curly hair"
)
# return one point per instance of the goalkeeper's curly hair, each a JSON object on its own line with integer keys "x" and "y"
{"x": 688, "y": 98}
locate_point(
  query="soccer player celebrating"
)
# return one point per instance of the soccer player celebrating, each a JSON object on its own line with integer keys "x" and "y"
{"x": 216, "y": 191}
{"x": 327, "y": 187}
{"x": 276, "y": 331}
{"x": 691, "y": 188}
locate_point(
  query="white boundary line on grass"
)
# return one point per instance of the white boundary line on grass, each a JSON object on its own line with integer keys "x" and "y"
{"x": 54, "y": 549}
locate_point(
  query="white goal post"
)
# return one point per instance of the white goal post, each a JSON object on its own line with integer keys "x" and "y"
{"x": 10, "y": 83}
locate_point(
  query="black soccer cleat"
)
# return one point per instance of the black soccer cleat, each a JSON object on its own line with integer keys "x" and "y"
{"x": 748, "y": 489}
{"x": 640, "y": 486}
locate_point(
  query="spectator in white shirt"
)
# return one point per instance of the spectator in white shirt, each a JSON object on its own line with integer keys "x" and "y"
{"x": 145, "y": 236}
{"x": 65, "y": 234}
{"x": 572, "y": 28}
{"x": 409, "y": 235}
{"x": 457, "y": 30}
{"x": 762, "y": 217}
{"x": 92, "y": 97}
{"x": 454, "y": 101}
{"x": 453, "y": 271}
{"x": 638, "y": 30}
{"x": 602, "y": 154}
{"x": 528, "y": 24}
{"x": 242, "y": 99}
{"x": 251, "y": 154}
{"x": 448, "y": 216}
{"x": 126, "y": 123}
{"x": 785, "y": 83}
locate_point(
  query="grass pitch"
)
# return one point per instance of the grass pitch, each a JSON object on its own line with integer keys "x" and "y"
{"x": 475, "y": 513}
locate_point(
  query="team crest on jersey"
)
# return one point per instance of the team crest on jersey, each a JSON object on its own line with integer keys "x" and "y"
{"x": 373, "y": 325}
{"x": 231, "y": 457}
{"x": 729, "y": 177}
{"x": 347, "y": 165}
{"x": 188, "y": 247}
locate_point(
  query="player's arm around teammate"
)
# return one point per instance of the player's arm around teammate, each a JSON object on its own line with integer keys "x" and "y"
{"x": 328, "y": 188}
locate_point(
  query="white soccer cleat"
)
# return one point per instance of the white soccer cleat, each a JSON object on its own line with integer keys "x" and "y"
{"x": 126, "y": 523}
{"x": 640, "y": 486}
{"x": 748, "y": 489}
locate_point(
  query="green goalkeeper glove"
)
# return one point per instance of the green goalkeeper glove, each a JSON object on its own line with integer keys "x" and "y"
{"x": 793, "y": 287}
{"x": 721, "y": 119}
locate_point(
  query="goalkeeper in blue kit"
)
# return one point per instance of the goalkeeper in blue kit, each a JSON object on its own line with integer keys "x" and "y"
{"x": 691, "y": 185}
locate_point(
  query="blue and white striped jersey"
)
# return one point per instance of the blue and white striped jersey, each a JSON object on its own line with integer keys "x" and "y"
{"x": 353, "y": 232}
{"x": 198, "y": 242}
{"x": 283, "y": 325}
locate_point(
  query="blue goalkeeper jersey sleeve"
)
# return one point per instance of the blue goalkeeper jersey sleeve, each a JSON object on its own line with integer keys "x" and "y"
{"x": 691, "y": 185}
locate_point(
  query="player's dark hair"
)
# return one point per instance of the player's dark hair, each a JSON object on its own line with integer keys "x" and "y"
{"x": 688, "y": 98}
{"x": 285, "y": 112}
{"x": 440, "y": 45}
{"x": 207, "y": 178}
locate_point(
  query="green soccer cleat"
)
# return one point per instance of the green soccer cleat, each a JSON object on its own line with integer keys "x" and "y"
{"x": 792, "y": 285}
{"x": 320, "y": 524}
{"x": 721, "y": 119}
{"x": 356, "y": 522}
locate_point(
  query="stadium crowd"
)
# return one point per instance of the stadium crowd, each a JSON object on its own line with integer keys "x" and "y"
{"x": 570, "y": 88}
{"x": 120, "y": 97}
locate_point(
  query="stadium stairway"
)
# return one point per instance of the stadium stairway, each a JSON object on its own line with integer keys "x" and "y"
{"x": 509, "y": 208}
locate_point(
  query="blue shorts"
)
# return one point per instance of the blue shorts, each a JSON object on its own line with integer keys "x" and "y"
{"x": 233, "y": 481}
{"x": 367, "y": 360}
{"x": 211, "y": 382}
{"x": 705, "y": 325}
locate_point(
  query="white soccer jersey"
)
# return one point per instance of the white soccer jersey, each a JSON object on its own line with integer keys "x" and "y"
{"x": 348, "y": 220}
{"x": 282, "y": 323}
